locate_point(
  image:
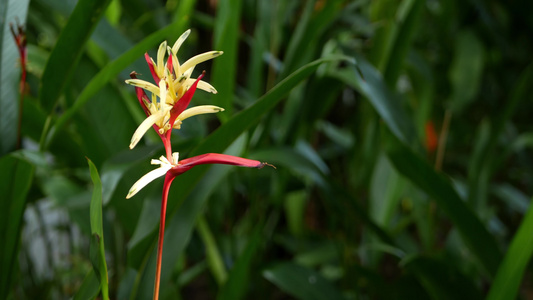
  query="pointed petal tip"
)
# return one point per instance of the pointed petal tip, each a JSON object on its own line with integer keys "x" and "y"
{"x": 131, "y": 193}
{"x": 266, "y": 164}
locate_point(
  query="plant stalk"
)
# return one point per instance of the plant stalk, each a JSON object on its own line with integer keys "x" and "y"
{"x": 166, "y": 187}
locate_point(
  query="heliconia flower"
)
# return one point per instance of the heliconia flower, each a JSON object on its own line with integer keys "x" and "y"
{"x": 165, "y": 110}
{"x": 173, "y": 87}
{"x": 175, "y": 167}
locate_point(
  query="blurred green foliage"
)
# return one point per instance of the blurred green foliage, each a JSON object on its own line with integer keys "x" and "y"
{"x": 401, "y": 133}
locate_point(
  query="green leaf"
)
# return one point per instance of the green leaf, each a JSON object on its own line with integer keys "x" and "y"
{"x": 255, "y": 84}
{"x": 368, "y": 81}
{"x": 304, "y": 42}
{"x": 68, "y": 49}
{"x": 15, "y": 181}
{"x": 466, "y": 69}
{"x": 214, "y": 259}
{"x": 295, "y": 205}
{"x": 423, "y": 175}
{"x": 385, "y": 192}
{"x": 382, "y": 14}
{"x": 478, "y": 176}
{"x": 441, "y": 278}
{"x": 89, "y": 287}
{"x": 237, "y": 283}
{"x": 225, "y": 67}
{"x": 511, "y": 271}
{"x": 410, "y": 12}
{"x": 183, "y": 12}
{"x": 97, "y": 251}
{"x": 301, "y": 282}
{"x": 11, "y": 12}
{"x": 226, "y": 134}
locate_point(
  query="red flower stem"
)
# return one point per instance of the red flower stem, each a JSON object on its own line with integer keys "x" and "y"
{"x": 166, "y": 187}
{"x": 168, "y": 147}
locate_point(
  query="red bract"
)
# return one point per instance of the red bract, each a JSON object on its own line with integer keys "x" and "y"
{"x": 184, "y": 101}
{"x": 152, "y": 68}
{"x": 141, "y": 95}
{"x": 214, "y": 158}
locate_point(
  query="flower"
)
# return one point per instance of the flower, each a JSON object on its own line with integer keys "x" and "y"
{"x": 175, "y": 167}
{"x": 165, "y": 110}
{"x": 173, "y": 87}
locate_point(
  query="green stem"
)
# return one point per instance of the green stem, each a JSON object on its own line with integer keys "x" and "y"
{"x": 44, "y": 134}
{"x": 214, "y": 259}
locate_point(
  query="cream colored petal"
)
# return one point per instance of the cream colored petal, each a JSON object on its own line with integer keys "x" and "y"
{"x": 205, "y": 86}
{"x": 163, "y": 90}
{"x": 175, "y": 158}
{"x": 161, "y": 59}
{"x": 171, "y": 94}
{"x": 180, "y": 41}
{"x": 182, "y": 82}
{"x": 144, "y": 84}
{"x": 198, "y": 110}
{"x": 193, "y": 61}
{"x": 141, "y": 130}
{"x": 147, "y": 178}
{"x": 186, "y": 75}
{"x": 162, "y": 160}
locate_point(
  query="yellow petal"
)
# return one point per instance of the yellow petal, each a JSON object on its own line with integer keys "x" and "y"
{"x": 180, "y": 41}
{"x": 175, "y": 158}
{"x": 198, "y": 110}
{"x": 161, "y": 59}
{"x": 193, "y": 61}
{"x": 141, "y": 130}
{"x": 144, "y": 84}
{"x": 163, "y": 90}
{"x": 202, "y": 85}
{"x": 147, "y": 178}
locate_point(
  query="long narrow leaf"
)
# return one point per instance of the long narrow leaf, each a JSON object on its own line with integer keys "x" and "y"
{"x": 97, "y": 252}
{"x": 441, "y": 279}
{"x": 301, "y": 282}
{"x": 370, "y": 83}
{"x": 402, "y": 40}
{"x": 89, "y": 287}
{"x": 420, "y": 173}
{"x": 225, "y": 68}
{"x": 68, "y": 49}
{"x": 511, "y": 271}
{"x": 11, "y": 12}
{"x": 236, "y": 285}
{"x": 15, "y": 180}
